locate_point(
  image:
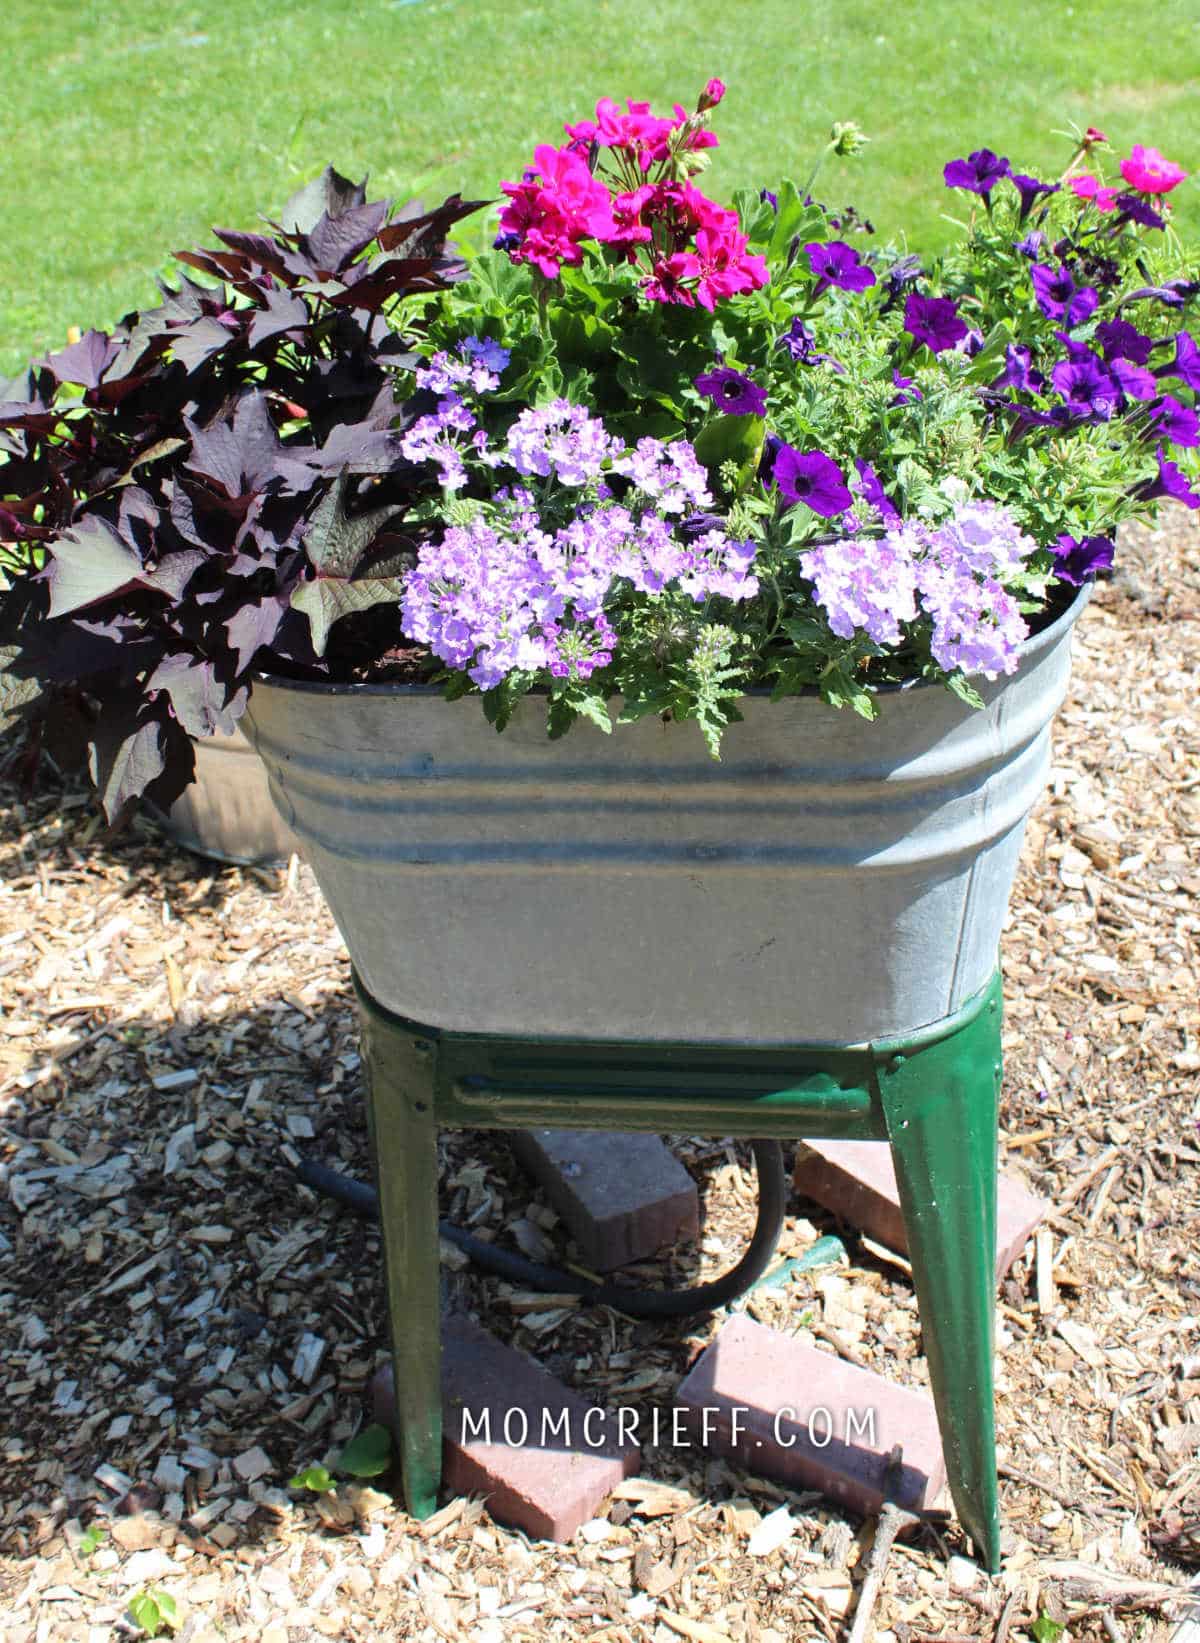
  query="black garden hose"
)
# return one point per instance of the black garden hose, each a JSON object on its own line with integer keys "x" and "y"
{"x": 634, "y": 1303}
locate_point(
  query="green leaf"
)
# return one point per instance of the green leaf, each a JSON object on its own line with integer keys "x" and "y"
{"x": 841, "y": 689}
{"x": 153, "y": 1609}
{"x": 367, "y": 1455}
{"x": 335, "y": 539}
{"x": 328, "y": 598}
{"x": 964, "y": 690}
{"x": 316, "y": 1478}
{"x": 1046, "y": 1630}
{"x": 736, "y": 439}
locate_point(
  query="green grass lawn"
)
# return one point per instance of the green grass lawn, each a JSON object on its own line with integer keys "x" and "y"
{"x": 134, "y": 125}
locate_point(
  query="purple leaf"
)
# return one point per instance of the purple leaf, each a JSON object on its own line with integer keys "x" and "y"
{"x": 240, "y": 453}
{"x": 334, "y": 538}
{"x": 257, "y": 248}
{"x": 282, "y": 311}
{"x": 193, "y": 344}
{"x": 198, "y": 700}
{"x": 335, "y": 241}
{"x": 253, "y": 626}
{"x": 88, "y": 563}
{"x": 124, "y": 764}
{"x": 330, "y": 194}
{"x": 86, "y": 361}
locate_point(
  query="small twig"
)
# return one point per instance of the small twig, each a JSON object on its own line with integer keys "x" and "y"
{"x": 892, "y": 1519}
{"x": 1080, "y": 1184}
{"x": 1108, "y": 1621}
{"x": 1006, "y": 1616}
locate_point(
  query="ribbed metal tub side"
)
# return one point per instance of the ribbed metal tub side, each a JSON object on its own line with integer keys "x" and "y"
{"x": 828, "y": 879}
{"x": 227, "y": 813}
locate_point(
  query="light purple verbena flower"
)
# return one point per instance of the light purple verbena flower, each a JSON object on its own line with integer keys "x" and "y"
{"x": 670, "y": 474}
{"x": 560, "y": 439}
{"x": 478, "y": 367}
{"x": 864, "y": 583}
{"x": 950, "y": 574}
{"x": 436, "y": 438}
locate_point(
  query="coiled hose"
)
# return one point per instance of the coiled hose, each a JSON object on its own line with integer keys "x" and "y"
{"x": 634, "y": 1303}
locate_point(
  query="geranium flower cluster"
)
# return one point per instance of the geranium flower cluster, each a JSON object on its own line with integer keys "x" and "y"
{"x": 951, "y": 574}
{"x": 623, "y": 180}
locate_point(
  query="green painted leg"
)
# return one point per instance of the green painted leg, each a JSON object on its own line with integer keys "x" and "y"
{"x": 404, "y": 1131}
{"x": 940, "y": 1102}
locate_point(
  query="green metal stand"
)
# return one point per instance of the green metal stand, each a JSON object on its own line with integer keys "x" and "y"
{"x": 933, "y": 1095}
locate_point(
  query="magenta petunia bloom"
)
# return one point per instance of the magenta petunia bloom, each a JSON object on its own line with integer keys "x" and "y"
{"x": 732, "y": 392}
{"x": 1149, "y": 173}
{"x": 1091, "y": 188}
{"x": 978, "y": 174}
{"x": 1076, "y": 561}
{"x": 813, "y": 478}
{"x": 934, "y": 321}
{"x": 836, "y": 263}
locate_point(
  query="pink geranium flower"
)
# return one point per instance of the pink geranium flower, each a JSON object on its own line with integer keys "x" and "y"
{"x": 556, "y": 205}
{"x": 725, "y": 268}
{"x": 1149, "y": 173}
{"x": 1090, "y": 188}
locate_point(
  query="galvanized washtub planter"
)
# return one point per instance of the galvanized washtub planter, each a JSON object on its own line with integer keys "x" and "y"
{"x": 828, "y": 881}
{"x": 227, "y": 812}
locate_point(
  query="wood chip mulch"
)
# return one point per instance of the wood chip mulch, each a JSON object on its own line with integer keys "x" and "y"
{"x": 184, "y": 1327}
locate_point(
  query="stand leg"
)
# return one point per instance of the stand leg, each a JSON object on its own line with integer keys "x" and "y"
{"x": 400, "y": 1079}
{"x": 941, "y": 1105}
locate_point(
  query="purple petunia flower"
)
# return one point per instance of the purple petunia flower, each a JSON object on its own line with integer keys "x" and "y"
{"x": 1030, "y": 190}
{"x": 732, "y": 392}
{"x": 1031, "y": 245}
{"x": 978, "y": 173}
{"x": 836, "y": 263}
{"x": 871, "y": 489}
{"x": 767, "y": 198}
{"x": 906, "y": 393}
{"x": 1088, "y": 386}
{"x": 1186, "y": 364}
{"x": 1172, "y": 482}
{"x": 813, "y": 478}
{"x": 1059, "y": 297}
{"x": 1075, "y": 561}
{"x": 1120, "y": 340}
{"x": 1175, "y": 422}
{"x": 1134, "y": 381}
{"x": 905, "y": 271}
{"x": 1134, "y": 209}
{"x": 800, "y": 342}
{"x": 934, "y": 321}
{"x": 1172, "y": 293}
{"x": 1018, "y": 370}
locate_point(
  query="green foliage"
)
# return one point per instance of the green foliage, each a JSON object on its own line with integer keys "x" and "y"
{"x": 1045, "y": 1630}
{"x": 314, "y": 1477}
{"x": 368, "y": 1454}
{"x": 154, "y": 1611}
{"x": 92, "y": 1539}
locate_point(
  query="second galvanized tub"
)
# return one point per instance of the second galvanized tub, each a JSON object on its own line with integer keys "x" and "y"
{"x": 829, "y": 880}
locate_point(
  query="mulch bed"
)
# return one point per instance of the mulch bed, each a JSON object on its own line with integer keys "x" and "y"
{"x": 185, "y": 1327}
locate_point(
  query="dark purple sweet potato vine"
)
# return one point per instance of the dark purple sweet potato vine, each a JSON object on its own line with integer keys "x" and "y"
{"x": 203, "y": 492}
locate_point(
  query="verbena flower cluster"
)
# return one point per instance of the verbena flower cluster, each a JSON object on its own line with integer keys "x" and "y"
{"x": 510, "y": 591}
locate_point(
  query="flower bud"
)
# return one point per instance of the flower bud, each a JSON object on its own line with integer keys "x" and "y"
{"x": 846, "y": 139}
{"x": 710, "y": 96}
